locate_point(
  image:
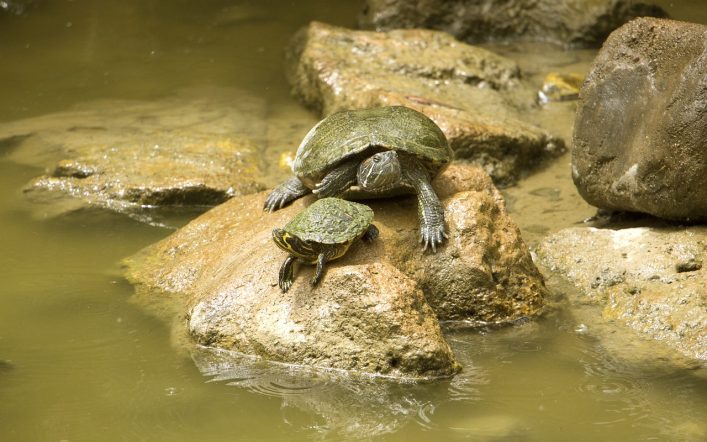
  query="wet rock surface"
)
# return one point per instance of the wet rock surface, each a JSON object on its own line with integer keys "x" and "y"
{"x": 127, "y": 155}
{"x": 641, "y": 127}
{"x": 471, "y": 93}
{"x": 376, "y": 309}
{"x": 577, "y": 23}
{"x": 650, "y": 279}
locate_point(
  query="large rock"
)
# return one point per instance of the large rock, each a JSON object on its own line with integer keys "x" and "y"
{"x": 567, "y": 22}
{"x": 376, "y": 309}
{"x": 188, "y": 150}
{"x": 653, "y": 280}
{"x": 471, "y": 93}
{"x": 640, "y": 139}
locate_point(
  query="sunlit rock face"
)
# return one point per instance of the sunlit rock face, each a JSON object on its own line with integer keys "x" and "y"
{"x": 474, "y": 95}
{"x": 651, "y": 279}
{"x": 640, "y": 138}
{"x": 577, "y": 23}
{"x": 376, "y": 309}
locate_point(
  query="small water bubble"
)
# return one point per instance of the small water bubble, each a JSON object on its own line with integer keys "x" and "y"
{"x": 69, "y": 24}
{"x": 581, "y": 328}
{"x": 171, "y": 391}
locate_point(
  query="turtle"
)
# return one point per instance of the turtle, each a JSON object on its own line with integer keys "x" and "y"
{"x": 321, "y": 233}
{"x": 369, "y": 153}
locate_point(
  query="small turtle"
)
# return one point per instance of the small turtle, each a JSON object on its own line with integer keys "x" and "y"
{"x": 382, "y": 151}
{"x": 320, "y": 233}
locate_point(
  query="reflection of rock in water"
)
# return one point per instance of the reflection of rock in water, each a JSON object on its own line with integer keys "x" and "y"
{"x": 330, "y": 403}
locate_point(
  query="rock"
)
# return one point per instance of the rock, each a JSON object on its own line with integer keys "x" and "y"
{"x": 375, "y": 310}
{"x": 646, "y": 278}
{"x": 641, "y": 128}
{"x": 577, "y": 23}
{"x": 127, "y": 156}
{"x": 560, "y": 87}
{"x": 469, "y": 92}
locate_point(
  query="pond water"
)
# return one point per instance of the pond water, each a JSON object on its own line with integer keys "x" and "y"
{"x": 80, "y": 361}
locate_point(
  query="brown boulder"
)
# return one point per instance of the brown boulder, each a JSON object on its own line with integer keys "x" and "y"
{"x": 468, "y": 91}
{"x": 583, "y": 23}
{"x": 640, "y": 137}
{"x": 376, "y": 309}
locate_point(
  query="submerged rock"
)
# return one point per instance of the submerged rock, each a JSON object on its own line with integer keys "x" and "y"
{"x": 640, "y": 138}
{"x": 469, "y": 92}
{"x": 126, "y": 155}
{"x": 583, "y": 23}
{"x": 650, "y": 279}
{"x": 376, "y": 309}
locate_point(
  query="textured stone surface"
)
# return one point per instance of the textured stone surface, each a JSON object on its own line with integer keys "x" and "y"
{"x": 376, "y": 308}
{"x": 471, "y": 93}
{"x": 567, "y": 22}
{"x": 641, "y": 127}
{"x": 653, "y": 280}
{"x": 129, "y": 155}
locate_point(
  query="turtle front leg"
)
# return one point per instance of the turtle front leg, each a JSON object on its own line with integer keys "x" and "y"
{"x": 321, "y": 260}
{"x": 429, "y": 208}
{"x": 286, "y": 192}
{"x": 338, "y": 181}
{"x": 286, "y": 277}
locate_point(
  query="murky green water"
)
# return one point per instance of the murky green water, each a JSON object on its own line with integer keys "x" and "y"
{"x": 79, "y": 361}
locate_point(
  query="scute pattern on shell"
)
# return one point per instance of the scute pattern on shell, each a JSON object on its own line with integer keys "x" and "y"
{"x": 347, "y": 133}
{"x": 331, "y": 221}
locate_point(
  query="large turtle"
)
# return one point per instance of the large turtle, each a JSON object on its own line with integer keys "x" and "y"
{"x": 381, "y": 151}
{"x": 320, "y": 233}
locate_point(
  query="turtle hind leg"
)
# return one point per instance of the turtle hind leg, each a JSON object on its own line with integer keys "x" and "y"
{"x": 321, "y": 260}
{"x": 286, "y": 192}
{"x": 287, "y": 274}
{"x": 371, "y": 234}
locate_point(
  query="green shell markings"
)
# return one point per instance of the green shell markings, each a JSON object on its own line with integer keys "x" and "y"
{"x": 370, "y": 153}
{"x": 322, "y": 232}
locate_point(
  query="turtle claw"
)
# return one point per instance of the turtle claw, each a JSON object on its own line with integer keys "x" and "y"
{"x": 432, "y": 236}
{"x": 286, "y": 192}
{"x": 285, "y": 285}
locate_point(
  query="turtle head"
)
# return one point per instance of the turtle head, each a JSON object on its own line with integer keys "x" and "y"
{"x": 293, "y": 245}
{"x": 379, "y": 171}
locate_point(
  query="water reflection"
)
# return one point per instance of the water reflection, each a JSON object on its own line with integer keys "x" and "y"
{"x": 568, "y": 380}
{"x": 322, "y": 403}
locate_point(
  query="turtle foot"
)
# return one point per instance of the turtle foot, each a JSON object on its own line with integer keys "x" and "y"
{"x": 277, "y": 200}
{"x": 432, "y": 236}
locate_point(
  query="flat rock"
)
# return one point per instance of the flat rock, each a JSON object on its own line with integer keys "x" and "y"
{"x": 128, "y": 155}
{"x": 471, "y": 93}
{"x": 650, "y": 279}
{"x": 576, "y": 23}
{"x": 376, "y": 309}
{"x": 640, "y": 138}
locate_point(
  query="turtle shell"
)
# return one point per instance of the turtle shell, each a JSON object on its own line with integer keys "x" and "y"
{"x": 345, "y": 134}
{"x": 331, "y": 221}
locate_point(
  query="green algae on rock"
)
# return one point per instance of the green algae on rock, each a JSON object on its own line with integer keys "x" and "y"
{"x": 468, "y": 91}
